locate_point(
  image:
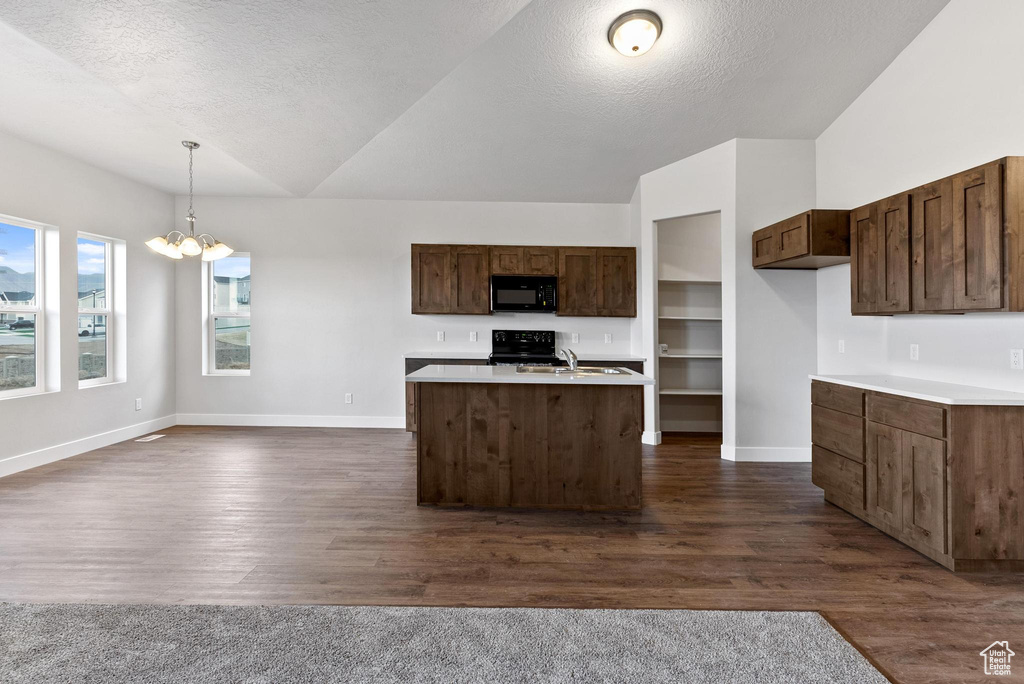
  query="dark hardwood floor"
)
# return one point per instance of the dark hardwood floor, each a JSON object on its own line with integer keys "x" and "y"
{"x": 289, "y": 515}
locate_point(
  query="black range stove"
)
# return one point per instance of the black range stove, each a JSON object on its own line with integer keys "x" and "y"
{"x": 523, "y": 348}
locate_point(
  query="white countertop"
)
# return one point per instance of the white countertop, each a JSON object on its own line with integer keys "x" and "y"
{"x": 928, "y": 390}
{"x": 480, "y": 354}
{"x": 508, "y": 374}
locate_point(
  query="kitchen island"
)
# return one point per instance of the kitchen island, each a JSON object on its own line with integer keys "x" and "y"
{"x": 528, "y": 436}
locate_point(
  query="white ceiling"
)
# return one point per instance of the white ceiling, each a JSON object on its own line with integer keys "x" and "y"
{"x": 429, "y": 99}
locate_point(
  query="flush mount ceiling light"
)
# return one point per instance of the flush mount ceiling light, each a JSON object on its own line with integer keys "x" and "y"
{"x": 188, "y": 245}
{"x": 634, "y": 33}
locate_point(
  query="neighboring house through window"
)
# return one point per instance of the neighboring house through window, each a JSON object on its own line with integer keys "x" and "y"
{"x": 229, "y": 288}
{"x": 95, "y": 322}
{"x": 22, "y": 323}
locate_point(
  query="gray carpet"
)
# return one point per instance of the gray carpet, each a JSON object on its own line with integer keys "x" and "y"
{"x": 279, "y": 644}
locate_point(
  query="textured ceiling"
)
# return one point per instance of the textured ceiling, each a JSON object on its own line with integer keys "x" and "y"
{"x": 430, "y": 99}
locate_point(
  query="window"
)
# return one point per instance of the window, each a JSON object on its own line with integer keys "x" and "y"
{"x": 94, "y": 310}
{"x": 21, "y": 319}
{"x": 228, "y": 334}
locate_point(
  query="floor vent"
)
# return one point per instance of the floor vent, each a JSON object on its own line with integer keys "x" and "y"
{"x": 149, "y": 438}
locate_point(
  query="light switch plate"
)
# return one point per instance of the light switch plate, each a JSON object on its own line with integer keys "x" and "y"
{"x": 1017, "y": 359}
{"x": 440, "y": 335}
{"x": 575, "y": 338}
{"x": 472, "y": 336}
{"x": 138, "y": 404}
{"x": 915, "y": 352}
{"x": 842, "y": 346}
{"x": 607, "y": 338}
{"x": 348, "y": 397}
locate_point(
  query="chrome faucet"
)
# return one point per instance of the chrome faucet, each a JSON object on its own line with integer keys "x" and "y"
{"x": 571, "y": 359}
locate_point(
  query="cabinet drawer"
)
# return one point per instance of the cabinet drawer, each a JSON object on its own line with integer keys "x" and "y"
{"x": 840, "y": 477}
{"x": 764, "y": 246}
{"x": 793, "y": 237}
{"x": 923, "y": 419}
{"x": 838, "y": 397}
{"x": 838, "y": 432}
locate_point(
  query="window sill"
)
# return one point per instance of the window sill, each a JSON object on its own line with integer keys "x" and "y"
{"x": 89, "y": 384}
{"x": 26, "y": 395}
{"x": 227, "y": 374}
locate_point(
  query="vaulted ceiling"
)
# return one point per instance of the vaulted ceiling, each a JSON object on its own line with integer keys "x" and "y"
{"x": 429, "y": 99}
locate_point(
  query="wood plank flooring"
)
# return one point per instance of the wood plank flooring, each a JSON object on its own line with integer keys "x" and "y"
{"x": 290, "y": 515}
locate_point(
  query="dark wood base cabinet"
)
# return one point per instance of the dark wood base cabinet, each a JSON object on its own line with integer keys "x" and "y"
{"x": 528, "y": 445}
{"x": 944, "y": 480}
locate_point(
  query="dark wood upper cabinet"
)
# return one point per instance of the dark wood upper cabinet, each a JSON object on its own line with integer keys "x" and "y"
{"x": 506, "y": 260}
{"x": 894, "y": 254}
{"x": 470, "y": 280}
{"x": 540, "y": 261}
{"x": 978, "y": 238}
{"x": 431, "y": 279}
{"x": 811, "y": 240}
{"x": 864, "y": 260}
{"x": 616, "y": 281}
{"x": 931, "y": 211}
{"x": 966, "y": 243}
{"x": 577, "y": 281}
{"x": 455, "y": 279}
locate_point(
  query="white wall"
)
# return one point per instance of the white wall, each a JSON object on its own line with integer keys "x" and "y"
{"x": 769, "y": 319}
{"x": 42, "y": 185}
{"x": 331, "y": 300}
{"x": 952, "y": 100}
{"x": 776, "y": 313}
{"x": 701, "y": 184}
{"x": 690, "y": 248}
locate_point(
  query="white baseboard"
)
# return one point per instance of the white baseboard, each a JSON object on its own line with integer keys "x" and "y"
{"x": 33, "y": 459}
{"x": 767, "y": 454}
{"x": 651, "y": 437}
{"x": 262, "y": 420}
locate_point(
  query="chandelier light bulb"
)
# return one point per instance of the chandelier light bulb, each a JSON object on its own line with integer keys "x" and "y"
{"x": 190, "y": 247}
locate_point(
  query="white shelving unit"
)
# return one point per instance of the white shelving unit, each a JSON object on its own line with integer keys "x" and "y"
{"x": 690, "y": 324}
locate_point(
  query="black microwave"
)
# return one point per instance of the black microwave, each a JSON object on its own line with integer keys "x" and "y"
{"x": 524, "y": 293}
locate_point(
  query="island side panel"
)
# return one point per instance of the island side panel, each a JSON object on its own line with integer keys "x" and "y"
{"x": 457, "y": 446}
{"x": 529, "y": 445}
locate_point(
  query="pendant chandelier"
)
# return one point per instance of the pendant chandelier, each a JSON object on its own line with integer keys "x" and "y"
{"x": 189, "y": 245}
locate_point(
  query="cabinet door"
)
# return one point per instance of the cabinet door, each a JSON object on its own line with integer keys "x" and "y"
{"x": 577, "y": 281}
{"x": 894, "y": 254}
{"x": 793, "y": 237}
{"x": 764, "y": 246}
{"x": 410, "y": 407}
{"x": 883, "y": 479}
{"x": 864, "y": 260}
{"x": 470, "y": 280}
{"x": 978, "y": 238}
{"x": 540, "y": 260}
{"x": 924, "y": 490}
{"x": 616, "y": 281}
{"x": 431, "y": 279}
{"x": 507, "y": 260}
{"x": 932, "y": 218}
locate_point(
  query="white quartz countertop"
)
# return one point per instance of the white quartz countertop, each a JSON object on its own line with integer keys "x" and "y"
{"x": 928, "y": 390}
{"x": 508, "y": 374}
{"x": 583, "y": 356}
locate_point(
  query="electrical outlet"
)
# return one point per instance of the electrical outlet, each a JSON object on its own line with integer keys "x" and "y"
{"x": 1017, "y": 359}
{"x": 138, "y": 404}
{"x": 575, "y": 338}
{"x": 440, "y": 335}
{"x": 842, "y": 346}
{"x": 607, "y": 338}
{"x": 472, "y": 336}
{"x": 348, "y": 397}
{"x": 915, "y": 352}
